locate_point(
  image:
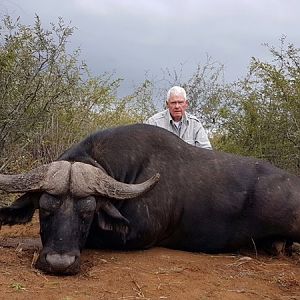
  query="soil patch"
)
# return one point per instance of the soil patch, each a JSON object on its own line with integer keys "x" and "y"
{"x": 157, "y": 273}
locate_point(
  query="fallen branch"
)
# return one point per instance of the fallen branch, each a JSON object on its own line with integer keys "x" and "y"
{"x": 21, "y": 243}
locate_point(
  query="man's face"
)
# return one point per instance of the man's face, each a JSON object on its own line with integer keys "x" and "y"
{"x": 177, "y": 106}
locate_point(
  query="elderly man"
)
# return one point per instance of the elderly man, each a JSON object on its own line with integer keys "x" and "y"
{"x": 177, "y": 120}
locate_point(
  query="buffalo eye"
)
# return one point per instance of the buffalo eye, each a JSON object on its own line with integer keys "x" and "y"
{"x": 49, "y": 204}
{"x": 86, "y": 207}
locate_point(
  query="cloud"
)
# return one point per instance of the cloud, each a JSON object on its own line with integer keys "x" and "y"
{"x": 131, "y": 37}
{"x": 127, "y": 7}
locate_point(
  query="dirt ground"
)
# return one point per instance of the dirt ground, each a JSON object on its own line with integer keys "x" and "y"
{"x": 152, "y": 274}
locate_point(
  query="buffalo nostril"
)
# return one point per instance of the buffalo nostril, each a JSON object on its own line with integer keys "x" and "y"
{"x": 60, "y": 262}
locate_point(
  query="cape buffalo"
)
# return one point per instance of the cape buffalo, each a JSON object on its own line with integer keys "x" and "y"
{"x": 138, "y": 186}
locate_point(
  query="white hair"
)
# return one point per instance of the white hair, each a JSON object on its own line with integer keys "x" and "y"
{"x": 176, "y": 91}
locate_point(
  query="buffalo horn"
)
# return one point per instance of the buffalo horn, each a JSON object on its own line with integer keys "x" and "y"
{"x": 89, "y": 180}
{"x": 52, "y": 178}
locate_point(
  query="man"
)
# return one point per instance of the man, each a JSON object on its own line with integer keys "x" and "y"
{"x": 177, "y": 120}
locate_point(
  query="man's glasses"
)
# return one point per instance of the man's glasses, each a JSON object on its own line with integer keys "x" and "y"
{"x": 174, "y": 103}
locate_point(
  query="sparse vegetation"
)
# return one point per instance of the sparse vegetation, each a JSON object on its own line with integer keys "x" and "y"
{"x": 17, "y": 286}
{"x": 49, "y": 100}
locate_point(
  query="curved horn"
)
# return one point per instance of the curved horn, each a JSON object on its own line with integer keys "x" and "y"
{"x": 52, "y": 178}
{"x": 89, "y": 180}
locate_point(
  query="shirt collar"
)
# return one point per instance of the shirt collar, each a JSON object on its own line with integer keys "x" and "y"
{"x": 184, "y": 119}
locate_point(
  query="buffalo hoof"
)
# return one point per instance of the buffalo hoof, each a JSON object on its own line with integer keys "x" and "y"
{"x": 296, "y": 248}
{"x": 278, "y": 248}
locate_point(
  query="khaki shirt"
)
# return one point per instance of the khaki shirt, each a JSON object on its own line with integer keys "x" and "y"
{"x": 190, "y": 128}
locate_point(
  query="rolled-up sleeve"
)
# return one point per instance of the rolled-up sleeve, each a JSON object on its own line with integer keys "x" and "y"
{"x": 201, "y": 138}
{"x": 150, "y": 121}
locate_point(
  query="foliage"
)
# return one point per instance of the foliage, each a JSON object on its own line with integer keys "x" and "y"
{"x": 256, "y": 116}
{"x": 264, "y": 118}
{"x": 49, "y": 100}
{"x": 48, "y": 97}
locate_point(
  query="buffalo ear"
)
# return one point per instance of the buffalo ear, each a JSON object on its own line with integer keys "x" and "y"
{"x": 110, "y": 219}
{"x": 21, "y": 211}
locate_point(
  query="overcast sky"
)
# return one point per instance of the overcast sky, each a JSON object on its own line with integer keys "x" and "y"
{"x": 134, "y": 37}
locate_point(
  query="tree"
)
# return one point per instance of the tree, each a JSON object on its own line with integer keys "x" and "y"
{"x": 48, "y": 97}
{"x": 264, "y": 118}
{"x": 207, "y": 94}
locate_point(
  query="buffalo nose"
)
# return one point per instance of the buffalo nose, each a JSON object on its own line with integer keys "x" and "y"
{"x": 60, "y": 262}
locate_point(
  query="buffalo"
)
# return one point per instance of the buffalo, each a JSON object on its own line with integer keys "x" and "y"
{"x": 139, "y": 186}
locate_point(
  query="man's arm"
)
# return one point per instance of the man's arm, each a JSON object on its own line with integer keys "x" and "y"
{"x": 149, "y": 121}
{"x": 201, "y": 138}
